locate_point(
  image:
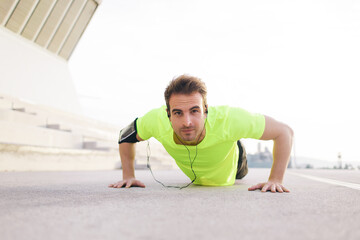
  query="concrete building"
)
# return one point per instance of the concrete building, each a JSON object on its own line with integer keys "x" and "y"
{"x": 37, "y": 38}
{"x": 41, "y": 123}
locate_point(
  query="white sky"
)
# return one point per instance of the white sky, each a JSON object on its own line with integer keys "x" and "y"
{"x": 297, "y": 61}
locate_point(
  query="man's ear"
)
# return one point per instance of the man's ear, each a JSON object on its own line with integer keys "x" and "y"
{"x": 168, "y": 113}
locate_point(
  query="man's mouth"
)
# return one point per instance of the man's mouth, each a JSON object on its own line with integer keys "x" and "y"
{"x": 187, "y": 130}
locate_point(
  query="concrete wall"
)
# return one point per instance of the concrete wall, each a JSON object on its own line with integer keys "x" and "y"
{"x": 32, "y": 158}
{"x": 27, "y": 71}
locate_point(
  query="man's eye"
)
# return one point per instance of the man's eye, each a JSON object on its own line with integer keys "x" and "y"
{"x": 176, "y": 113}
{"x": 195, "y": 111}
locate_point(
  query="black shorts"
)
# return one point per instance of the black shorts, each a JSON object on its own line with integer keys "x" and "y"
{"x": 242, "y": 168}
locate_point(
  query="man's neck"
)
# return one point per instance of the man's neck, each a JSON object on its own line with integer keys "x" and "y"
{"x": 198, "y": 139}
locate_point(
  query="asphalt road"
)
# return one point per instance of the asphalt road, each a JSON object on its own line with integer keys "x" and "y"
{"x": 79, "y": 205}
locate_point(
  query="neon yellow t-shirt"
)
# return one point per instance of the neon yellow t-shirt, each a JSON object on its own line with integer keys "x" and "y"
{"x": 217, "y": 153}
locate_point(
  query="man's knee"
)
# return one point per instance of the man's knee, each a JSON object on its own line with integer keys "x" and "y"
{"x": 242, "y": 168}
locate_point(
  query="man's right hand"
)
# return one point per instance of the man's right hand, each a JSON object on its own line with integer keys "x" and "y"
{"x": 127, "y": 183}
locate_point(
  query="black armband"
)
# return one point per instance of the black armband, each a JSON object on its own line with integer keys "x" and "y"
{"x": 128, "y": 134}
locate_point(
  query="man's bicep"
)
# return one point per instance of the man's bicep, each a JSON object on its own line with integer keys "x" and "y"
{"x": 129, "y": 133}
{"x": 273, "y": 129}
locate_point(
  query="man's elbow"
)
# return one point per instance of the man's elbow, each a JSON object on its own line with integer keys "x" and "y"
{"x": 277, "y": 131}
{"x": 289, "y": 132}
{"x": 285, "y": 133}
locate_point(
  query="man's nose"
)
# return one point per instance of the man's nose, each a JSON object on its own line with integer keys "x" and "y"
{"x": 187, "y": 120}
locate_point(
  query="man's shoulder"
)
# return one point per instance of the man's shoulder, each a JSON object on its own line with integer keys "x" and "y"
{"x": 154, "y": 123}
{"x": 230, "y": 113}
{"x": 154, "y": 115}
{"x": 156, "y": 112}
{"x": 236, "y": 122}
{"x": 224, "y": 110}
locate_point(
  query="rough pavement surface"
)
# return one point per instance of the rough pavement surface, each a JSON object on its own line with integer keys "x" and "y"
{"x": 79, "y": 205}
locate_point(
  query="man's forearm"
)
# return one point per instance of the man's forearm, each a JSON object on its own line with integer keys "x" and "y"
{"x": 127, "y": 155}
{"x": 281, "y": 156}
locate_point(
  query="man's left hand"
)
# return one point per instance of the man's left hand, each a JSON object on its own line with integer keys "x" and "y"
{"x": 269, "y": 186}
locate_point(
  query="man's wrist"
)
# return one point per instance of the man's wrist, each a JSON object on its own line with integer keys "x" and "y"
{"x": 127, "y": 178}
{"x": 275, "y": 179}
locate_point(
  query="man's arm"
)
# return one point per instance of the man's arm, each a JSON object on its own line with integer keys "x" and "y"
{"x": 283, "y": 137}
{"x": 127, "y": 155}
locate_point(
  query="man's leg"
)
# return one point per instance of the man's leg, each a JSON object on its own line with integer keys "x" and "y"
{"x": 242, "y": 168}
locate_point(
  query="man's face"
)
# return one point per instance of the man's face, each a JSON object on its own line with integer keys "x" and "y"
{"x": 187, "y": 116}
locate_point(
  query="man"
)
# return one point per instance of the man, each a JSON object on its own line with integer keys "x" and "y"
{"x": 204, "y": 141}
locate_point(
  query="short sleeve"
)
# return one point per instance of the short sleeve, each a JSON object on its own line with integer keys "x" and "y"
{"x": 244, "y": 124}
{"x": 148, "y": 125}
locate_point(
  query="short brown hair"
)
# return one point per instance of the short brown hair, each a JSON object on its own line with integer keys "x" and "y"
{"x": 185, "y": 84}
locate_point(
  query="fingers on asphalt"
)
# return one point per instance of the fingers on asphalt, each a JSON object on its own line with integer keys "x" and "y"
{"x": 128, "y": 184}
{"x": 254, "y": 187}
{"x": 285, "y": 189}
{"x": 269, "y": 187}
{"x": 265, "y": 188}
{"x": 117, "y": 185}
